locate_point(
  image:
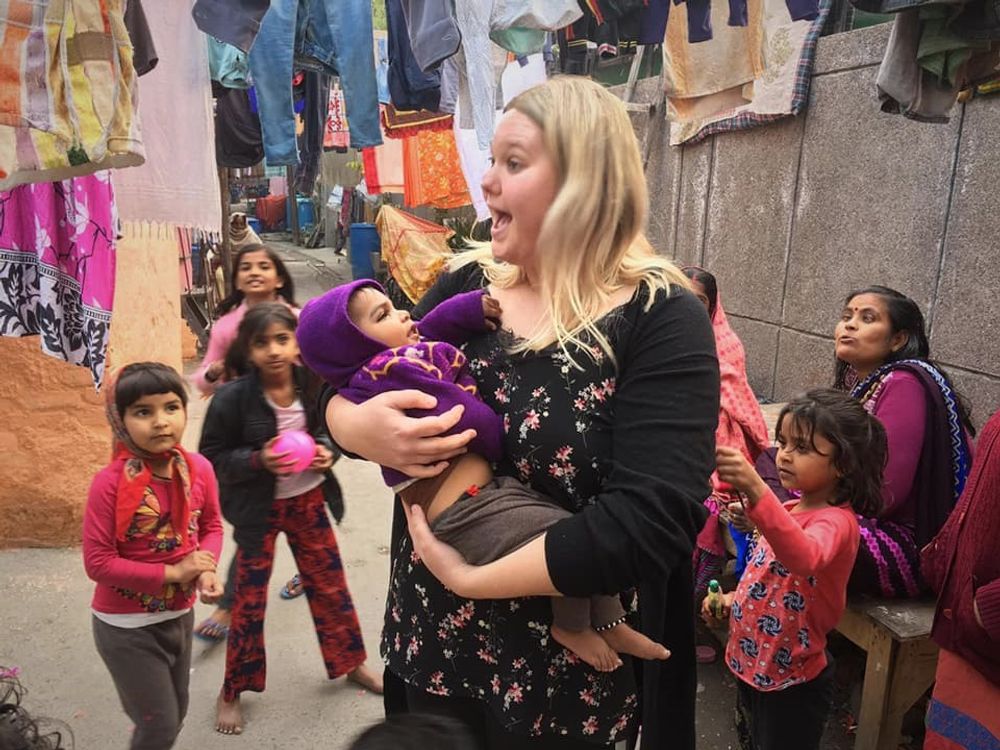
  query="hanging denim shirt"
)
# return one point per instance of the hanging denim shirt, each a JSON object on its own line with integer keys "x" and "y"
{"x": 328, "y": 36}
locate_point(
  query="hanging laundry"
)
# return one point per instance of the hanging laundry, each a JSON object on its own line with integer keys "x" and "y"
{"x": 316, "y": 90}
{"x": 934, "y": 52}
{"x": 179, "y": 183}
{"x": 401, "y": 124}
{"x": 744, "y": 76}
{"x": 699, "y": 15}
{"x": 57, "y": 267}
{"x": 144, "y": 57}
{"x": 228, "y": 65}
{"x": 383, "y": 167}
{"x": 328, "y": 36}
{"x": 382, "y": 66}
{"x": 415, "y": 250}
{"x": 521, "y": 75}
{"x": 238, "y": 142}
{"x": 68, "y": 100}
{"x": 612, "y": 25}
{"x": 432, "y": 174}
{"x": 653, "y": 21}
{"x": 236, "y": 22}
{"x": 433, "y": 30}
{"x": 474, "y": 161}
{"x": 335, "y": 135}
{"x": 410, "y": 88}
{"x": 519, "y": 26}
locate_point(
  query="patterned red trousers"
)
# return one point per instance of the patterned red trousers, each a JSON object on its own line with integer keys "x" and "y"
{"x": 305, "y": 523}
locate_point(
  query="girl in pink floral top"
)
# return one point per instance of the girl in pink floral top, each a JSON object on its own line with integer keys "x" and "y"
{"x": 795, "y": 586}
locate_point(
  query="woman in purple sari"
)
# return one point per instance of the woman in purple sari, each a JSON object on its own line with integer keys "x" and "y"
{"x": 883, "y": 359}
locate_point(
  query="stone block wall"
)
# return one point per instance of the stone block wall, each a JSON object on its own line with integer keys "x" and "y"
{"x": 790, "y": 217}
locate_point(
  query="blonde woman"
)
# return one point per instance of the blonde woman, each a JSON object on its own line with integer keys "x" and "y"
{"x": 605, "y": 372}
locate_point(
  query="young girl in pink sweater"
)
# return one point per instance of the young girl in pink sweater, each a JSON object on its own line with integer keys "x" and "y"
{"x": 794, "y": 588}
{"x": 152, "y": 534}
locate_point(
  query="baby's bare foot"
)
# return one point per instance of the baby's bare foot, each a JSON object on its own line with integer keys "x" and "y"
{"x": 626, "y": 640}
{"x": 589, "y": 646}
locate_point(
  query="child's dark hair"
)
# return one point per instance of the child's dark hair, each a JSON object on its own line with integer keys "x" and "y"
{"x": 415, "y": 732}
{"x": 146, "y": 379}
{"x": 904, "y": 316}
{"x": 707, "y": 280}
{"x": 257, "y": 320}
{"x": 858, "y": 438}
{"x": 286, "y": 291}
{"x": 18, "y": 730}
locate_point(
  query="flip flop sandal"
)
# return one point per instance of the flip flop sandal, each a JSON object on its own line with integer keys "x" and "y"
{"x": 706, "y": 654}
{"x": 295, "y": 583}
{"x": 211, "y": 631}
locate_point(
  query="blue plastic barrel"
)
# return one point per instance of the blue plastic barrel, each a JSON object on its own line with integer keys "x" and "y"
{"x": 307, "y": 214}
{"x": 364, "y": 241}
{"x": 254, "y": 223}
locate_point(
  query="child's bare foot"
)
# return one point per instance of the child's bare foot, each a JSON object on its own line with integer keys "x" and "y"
{"x": 367, "y": 679}
{"x": 589, "y": 646}
{"x": 228, "y": 716}
{"x": 626, "y": 640}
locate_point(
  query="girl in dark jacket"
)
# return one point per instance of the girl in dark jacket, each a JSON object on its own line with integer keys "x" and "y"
{"x": 261, "y": 494}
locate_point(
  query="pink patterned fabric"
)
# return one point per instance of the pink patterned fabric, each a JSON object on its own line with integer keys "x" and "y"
{"x": 57, "y": 267}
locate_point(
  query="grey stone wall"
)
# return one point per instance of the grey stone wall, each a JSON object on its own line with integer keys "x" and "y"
{"x": 791, "y": 217}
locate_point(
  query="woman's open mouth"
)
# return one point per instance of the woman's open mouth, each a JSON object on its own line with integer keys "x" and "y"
{"x": 501, "y": 220}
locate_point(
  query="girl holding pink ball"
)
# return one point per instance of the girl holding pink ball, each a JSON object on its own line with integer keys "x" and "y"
{"x": 272, "y": 458}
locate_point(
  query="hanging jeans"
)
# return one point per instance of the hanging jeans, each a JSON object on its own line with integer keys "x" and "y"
{"x": 330, "y": 36}
{"x": 304, "y": 520}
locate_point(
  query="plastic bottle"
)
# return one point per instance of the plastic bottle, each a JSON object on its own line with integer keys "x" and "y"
{"x": 715, "y": 599}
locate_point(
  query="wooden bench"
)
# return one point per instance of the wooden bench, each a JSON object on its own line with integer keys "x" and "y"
{"x": 900, "y": 668}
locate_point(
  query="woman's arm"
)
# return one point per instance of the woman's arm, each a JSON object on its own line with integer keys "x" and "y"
{"x": 902, "y": 410}
{"x": 987, "y": 608}
{"x": 380, "y": 431}
{"x": 645, "y": 519}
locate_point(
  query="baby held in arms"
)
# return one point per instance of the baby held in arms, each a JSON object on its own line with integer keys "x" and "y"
{"x": 363, "y": 346}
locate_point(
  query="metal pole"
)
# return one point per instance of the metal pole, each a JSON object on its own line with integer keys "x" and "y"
{"x": 226, "y": 245}
{"x": 293, "y": 207}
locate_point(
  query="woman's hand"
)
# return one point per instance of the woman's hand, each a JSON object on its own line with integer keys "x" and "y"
{"x": 445, "y": 562}
{"x": 733, "y": 468}
{"x": 380, "y": 431}
{"x": 323, "y": 459}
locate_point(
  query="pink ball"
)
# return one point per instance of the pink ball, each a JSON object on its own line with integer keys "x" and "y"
{"x": 299, "y": 446}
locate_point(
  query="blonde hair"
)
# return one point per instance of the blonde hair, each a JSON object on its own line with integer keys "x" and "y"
{"x": 592, "y": 241}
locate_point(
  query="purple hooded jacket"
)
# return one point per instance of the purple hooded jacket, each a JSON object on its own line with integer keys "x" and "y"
{"x": 359, "y": 367}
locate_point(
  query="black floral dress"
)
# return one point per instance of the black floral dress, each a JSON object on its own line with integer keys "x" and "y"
{"x": 558, "y": 421}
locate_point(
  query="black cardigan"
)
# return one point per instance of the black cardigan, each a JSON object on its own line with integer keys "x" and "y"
{"x": 238, "y": 424}
{"x": 644, "y": 534}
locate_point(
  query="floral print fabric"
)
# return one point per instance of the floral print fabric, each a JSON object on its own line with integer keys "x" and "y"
{"x": 57, "y": 267}
{"x": 558, "y": 422}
